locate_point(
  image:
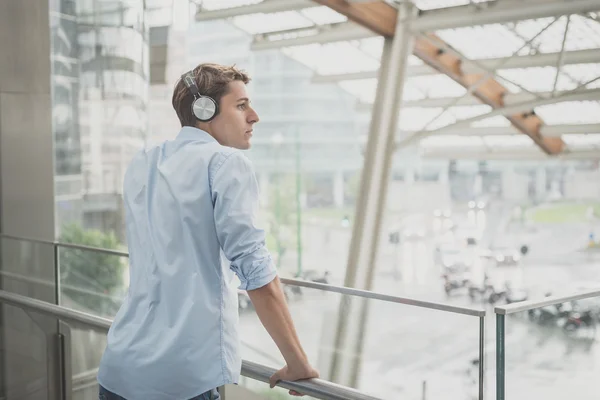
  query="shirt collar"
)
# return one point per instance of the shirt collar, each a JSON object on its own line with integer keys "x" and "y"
{"x": 195, "y": 134}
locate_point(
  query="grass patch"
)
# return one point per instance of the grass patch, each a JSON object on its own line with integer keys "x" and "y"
{"x": 563, "y": 213}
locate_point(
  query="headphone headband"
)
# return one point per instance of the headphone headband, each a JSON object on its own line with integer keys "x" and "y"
{"x": 190, "y": 82}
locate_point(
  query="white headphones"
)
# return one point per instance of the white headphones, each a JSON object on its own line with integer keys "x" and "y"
{"x": 204, "y": 108}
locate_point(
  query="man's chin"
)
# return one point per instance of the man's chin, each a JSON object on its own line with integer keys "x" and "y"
{"x": 244, "y": 146}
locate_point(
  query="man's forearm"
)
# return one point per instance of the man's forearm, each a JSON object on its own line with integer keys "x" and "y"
{"x": 271, "y": 307}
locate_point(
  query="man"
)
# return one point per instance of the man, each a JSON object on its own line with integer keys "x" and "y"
{"x": 191, "y": 203}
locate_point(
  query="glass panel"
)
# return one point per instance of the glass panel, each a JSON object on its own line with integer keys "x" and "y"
{"x": 93, "y": 282}
{"x": 100, "y": 83}
{"x": 403, "y": 346}
{"x": 27, "y": 268}
{"x": 26, "y": 355}
{"x": 87, "y": 347}
{"x": 551, "y": 352}
{"x": 249, "y": 389}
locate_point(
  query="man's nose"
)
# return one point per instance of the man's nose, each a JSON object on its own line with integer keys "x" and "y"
{"x": 253, "y": 117}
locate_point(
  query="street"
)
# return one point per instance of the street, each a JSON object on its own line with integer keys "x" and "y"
{"x": 414, "y": 353}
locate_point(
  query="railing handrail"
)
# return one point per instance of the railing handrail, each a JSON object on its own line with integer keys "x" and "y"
{"x": 318, "y": 388}
{"x": 476, "y": 312}
{"x": 386, "y": 297}
{"x": 548, "y": 301}
{"x": 66, "y": 245}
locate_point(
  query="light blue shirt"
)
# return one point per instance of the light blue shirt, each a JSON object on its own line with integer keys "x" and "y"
{"x": 190, "y": 210}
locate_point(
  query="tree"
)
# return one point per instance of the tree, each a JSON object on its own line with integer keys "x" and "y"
{"x": 91, "y": 279}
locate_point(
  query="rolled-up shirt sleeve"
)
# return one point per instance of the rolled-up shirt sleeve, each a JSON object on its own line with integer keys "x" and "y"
{"x": 235, "y": 195}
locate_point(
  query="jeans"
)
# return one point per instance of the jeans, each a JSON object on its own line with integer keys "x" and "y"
{"x": 106, "y": 395}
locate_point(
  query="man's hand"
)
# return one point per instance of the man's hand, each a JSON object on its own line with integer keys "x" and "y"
{"x": 271, "y": 307}
{"x": 288, "y": 373}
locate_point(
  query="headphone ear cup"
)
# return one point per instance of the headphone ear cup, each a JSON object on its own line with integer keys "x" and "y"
{"x": 205, "y": 108}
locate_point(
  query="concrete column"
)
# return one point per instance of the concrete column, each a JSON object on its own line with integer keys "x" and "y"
{"x": 353, "y": 314}
{"x": 514, "y": 185}
{"x": 478, "y": 185}
{"x": 26, "y": 196}
{"x": 540, "y": 183}
{"x": 443, "y": 176}
{"x": 338, "y": 189}
{"x": 26, "y": 143}
{"x": 409, "y": 175}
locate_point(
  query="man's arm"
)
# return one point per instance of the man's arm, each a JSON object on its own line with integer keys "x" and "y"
{"x": 271, "y": 307}
{"x": 235, "y": 198}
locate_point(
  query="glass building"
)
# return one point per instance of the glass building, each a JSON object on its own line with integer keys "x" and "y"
{"x": 100, "y": 99}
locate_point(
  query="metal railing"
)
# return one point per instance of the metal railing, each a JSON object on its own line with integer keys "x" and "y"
{"x": 503, "y": 311}
{"x": 317, "y": 388}
{"x": 474, "y": 312}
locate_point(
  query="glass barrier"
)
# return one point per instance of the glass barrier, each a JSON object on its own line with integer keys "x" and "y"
{"x": 27, "y": 268}
{"x": 86, "y": 348}
{"x": 92, "y": 281}
{"x": 63, "y": 354}
{"x": 250, "y": 389}
{"x": 371, "y": 334}
{"x": 548, "y": 351}
{"x": 28, "y": 353}
{"x": 406, "y": 350}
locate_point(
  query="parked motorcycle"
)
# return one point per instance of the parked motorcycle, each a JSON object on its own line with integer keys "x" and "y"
{"x": 508, "y": 294}
{"x": 453, "y": 282}
{"x": 554, "y": 314}
{"x": 577, "y": 320}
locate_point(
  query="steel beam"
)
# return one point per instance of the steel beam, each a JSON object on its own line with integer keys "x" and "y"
{"x": 268, "y": 6}
{"x": 499, "y": 12}
{"x": 529, "y": 61}
{"x": 435, "y": 52}
{"x": 373, "y": 15}
{"x": 509, "y": 99}
{"x": 321, "y": 34}
{"x": 522, "y": 108}
{"x": 546, "y": 130}
{"x": 353, "y": 314}
{"x": 429, "y": 48}
{"x": 513, "y": 154}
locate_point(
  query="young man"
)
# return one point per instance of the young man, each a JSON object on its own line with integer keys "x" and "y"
{"x": 191, "y": 203}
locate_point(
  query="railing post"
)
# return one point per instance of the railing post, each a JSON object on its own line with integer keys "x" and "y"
{"x": 481, "y": 356}
{"x": 66, "y": 360}
{"x": 500, "y": 354}
{"x": 61, "y": 378}
{"x": 56, "y": 273}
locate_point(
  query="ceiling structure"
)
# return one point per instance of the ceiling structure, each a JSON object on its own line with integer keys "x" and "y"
{"x": 487, "y": 79}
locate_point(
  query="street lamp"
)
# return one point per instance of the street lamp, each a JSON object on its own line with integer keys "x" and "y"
{"x": 277, "y": 139}
{"x": 298, "y": 205}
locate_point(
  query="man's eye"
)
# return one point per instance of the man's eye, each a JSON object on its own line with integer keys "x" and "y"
{"x": 242, "y": 106}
